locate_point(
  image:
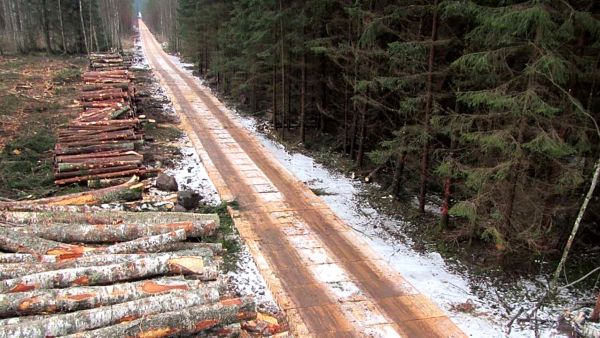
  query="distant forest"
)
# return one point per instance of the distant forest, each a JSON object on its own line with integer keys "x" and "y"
{"x": 63, "y": 26}
{"x": 488, "y": 108}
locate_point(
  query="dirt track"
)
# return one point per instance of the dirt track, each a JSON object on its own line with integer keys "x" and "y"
{"x": 325, "y": 277}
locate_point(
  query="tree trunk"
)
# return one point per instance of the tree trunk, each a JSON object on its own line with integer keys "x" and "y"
{"x": 361, "y": 140}
{"x": 87, "y": 49}
{"x": 44, "y": 302}
{"x": 62, "y": 28}
{"x": 595, "y": 316}
{"x": 582, "y": 210}
{"x": 69, "y": 323}
{"x": 46, "y": 25}
{"x": 155, "y": 243}
{"x": 282, "y": 65}
{"x": 108, "y": 274}
{"x": 398, "y": 173}
{"x": 185, "y": 322}
{"x": 303, "y": 100}
{"x": 274, "y": 117}
{"x": 428, "y": 111}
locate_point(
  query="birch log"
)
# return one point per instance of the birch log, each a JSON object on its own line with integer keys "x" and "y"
{"x": 80, "y": 298}
{"x": 64, "y": 324}
{"x": 96, "y": 275}
{"x": 185, "y": 322}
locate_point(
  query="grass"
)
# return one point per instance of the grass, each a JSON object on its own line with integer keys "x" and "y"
{"x": 162, "y": 132}
{"x": 26, "y": 165}
{"x": 67, "y": 75}
{"x": 226, "y": 232}
{"x": 9, "y": 103}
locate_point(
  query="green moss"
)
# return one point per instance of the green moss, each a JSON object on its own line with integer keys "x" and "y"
{"x": 8, "y": 104}
{"x": 225, "y": 233}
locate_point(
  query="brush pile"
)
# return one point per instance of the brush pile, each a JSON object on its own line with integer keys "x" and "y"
{"x": 114, "y": 274}
{"x": 99, "y": 146}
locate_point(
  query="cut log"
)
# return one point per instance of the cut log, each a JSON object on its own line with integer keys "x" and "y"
{"x": 184, "y": 322}
{"x": 44, "y": 302}
{"x": 64, "y": 324}
{"x": 127, "y": 146}
{"x": 97, "y": 275}
{"x": 16, "y": 270}
{"x": 83, "y": 215}
{"x": 144, "y": 244}
{"x": 111, "y": 233}
{"x": 128, "y": 192}
{"x": 127, "y": 173}
{"x": 93, "y": 172}
{"x": 18, "y": 242}
{"x": 93, "y": 87}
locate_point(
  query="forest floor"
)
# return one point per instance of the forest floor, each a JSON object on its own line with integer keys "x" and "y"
{"x": 37, "y": 94}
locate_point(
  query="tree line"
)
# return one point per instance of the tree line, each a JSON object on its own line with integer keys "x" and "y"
{"x": 63, "y": 26}
{"x": 489, "y": 108}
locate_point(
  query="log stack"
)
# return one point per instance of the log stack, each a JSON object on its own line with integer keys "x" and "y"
{"x": 99, "y": 145}
{"x": 114, "y": 274}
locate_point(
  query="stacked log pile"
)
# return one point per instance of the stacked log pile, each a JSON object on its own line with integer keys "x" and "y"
{"x": 114, "y": 274}
{"x": 99, "y": 145}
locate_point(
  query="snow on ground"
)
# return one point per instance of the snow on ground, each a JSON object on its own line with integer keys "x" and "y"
{"x": 247, "y": 281}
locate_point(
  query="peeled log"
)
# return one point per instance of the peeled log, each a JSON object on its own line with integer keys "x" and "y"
{"x": 112, "y": 233}
{"x": 185, "y": 322}
{"x": 44, "y": 302}
{"x": 16, "y": 270}
{"x": 18, "y": 242}
{"x": 97, "y": 275}
{"x": 64, "y": 324}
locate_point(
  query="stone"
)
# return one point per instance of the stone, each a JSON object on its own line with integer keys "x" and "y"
{"x": 188, "y": 199}
{"x": 166, "y": 182}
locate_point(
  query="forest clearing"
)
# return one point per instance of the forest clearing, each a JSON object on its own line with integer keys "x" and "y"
{"x": 299, "y": 168}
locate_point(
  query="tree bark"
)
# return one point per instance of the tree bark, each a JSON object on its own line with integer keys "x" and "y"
{"x": 20, "y": 258}
{"x": 398, "y": 172}
{"x": 62, "y": 28}
{"x": 87, "y": 49}
{"x": 14, "y": 241}
{"x": 595, "y": 316}
{"x": 114, "y": 273}
{"x": 144, "y": 244}
{"x": 16, "y": 270}
{"x": 428, "y": 111}
{"x": 46, "y": 25}
{"x": 582, "y": 209}
{"x": 69, "y": 323}
{"x": 111, "y": 233}
{"x": 185, "y": 322}
{"x": 44, "y": 302}
{"x": 303, "y": 100}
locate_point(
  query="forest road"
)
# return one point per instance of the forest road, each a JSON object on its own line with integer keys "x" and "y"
{"x": 321, "y": 273}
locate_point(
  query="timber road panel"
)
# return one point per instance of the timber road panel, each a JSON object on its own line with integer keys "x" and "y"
{"x": 325, "y": 277}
